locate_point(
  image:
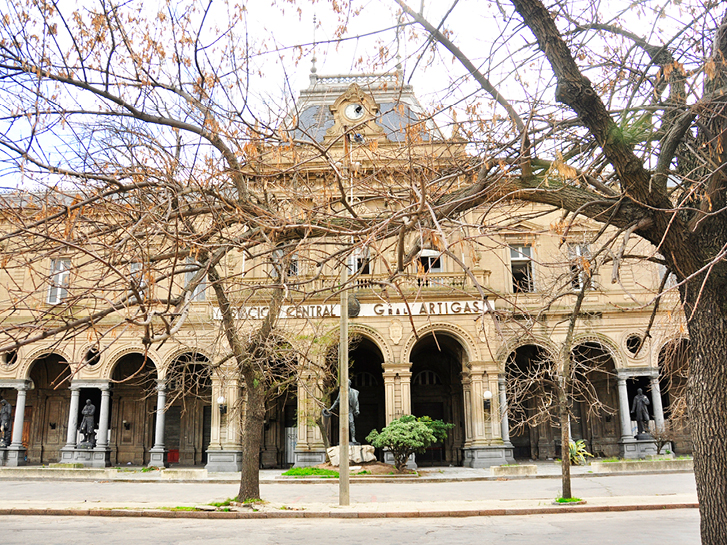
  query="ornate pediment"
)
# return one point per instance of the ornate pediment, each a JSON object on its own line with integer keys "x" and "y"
{"x": 354, "y": 112}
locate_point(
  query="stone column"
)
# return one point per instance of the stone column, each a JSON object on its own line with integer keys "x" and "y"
{"x": 224, "y": 454}
{"x": 161, "y": 413}
{"x": 625, "y": 413}
{"x": 397, "y": 390}
{"x": 389, "y": 394}
{"x": 16, "y": 450}
{"x": 17, "y": 436}
{"x": 216, "y": 419}
{"x": 71, "y": 432}
{"x": 309, "y": 446}
{"x": 102, "y": 436}
{"x": 484, "y": 446}
{"x": 405, "y": 389}
{"x": 157, "y": 453}
{"x": 656, "y": 403}
{"x": 504, "y": 422}
{"x": 475, "y": 406}
{"x": 493, "y": 385}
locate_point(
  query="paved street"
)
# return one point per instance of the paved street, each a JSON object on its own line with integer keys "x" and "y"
{"x": 645, "y": 528}
{"x": 505, "y": 493}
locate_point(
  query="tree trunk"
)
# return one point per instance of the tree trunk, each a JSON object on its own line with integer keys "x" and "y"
{"x": 324, "y": 434}
{"x": 564, "y": 445}
{"x": 252, "y": 431}
{"x": 707, "y": 401}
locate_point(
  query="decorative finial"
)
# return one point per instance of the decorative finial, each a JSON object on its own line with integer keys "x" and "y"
{"x": 313, "y": 69}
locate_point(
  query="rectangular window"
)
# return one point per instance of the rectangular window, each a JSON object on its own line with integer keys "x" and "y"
{"x": 521, "y": 268}
{"x": 136, "y": 276}
{"x": 361, "y": 261}
{"x": 580, "y": 266}
{"x": 199, "y": 292}
{"x": 430, "y": 261}
{"x": 293, "y": 266}
{"x": 278, "y": 258}
{"x": 60, "y": 275}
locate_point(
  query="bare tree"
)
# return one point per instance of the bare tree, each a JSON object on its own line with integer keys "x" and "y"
{"x": 643, "y": 134}
{"x": 151, "y": 172}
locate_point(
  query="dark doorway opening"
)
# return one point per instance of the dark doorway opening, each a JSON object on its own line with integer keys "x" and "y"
{"x": 436, "y": 391}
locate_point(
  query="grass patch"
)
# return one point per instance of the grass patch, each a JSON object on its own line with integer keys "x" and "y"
{"x": 311, "y": 472}
{"x": 225, "y": 503}
{"x": 364, "y": 472}
{"x": 180, "y": 508}
{"x": 150, "y": 468}
{"x": 568, "y": 500}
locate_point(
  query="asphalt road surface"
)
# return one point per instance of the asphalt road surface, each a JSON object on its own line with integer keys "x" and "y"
{"x": 645, "y": 528}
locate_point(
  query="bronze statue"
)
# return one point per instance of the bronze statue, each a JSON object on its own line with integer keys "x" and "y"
{"x": 5, "y": 412}
{"x": 88, "y": 424}
{"x": 640, "y": 410}
{"x": 353, "y": 410}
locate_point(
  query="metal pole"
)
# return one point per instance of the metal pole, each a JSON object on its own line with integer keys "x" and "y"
{"x": 343, "y": 482}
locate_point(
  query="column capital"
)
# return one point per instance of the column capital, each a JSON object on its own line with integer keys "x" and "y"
{"x": 17, "y": 384}
{"x": 90, "y": 383}
{"x": 401, "y": 369}
{"x": 161, "y": 385}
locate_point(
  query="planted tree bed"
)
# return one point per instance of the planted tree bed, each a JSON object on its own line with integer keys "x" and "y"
{"x": 369, "y": 469}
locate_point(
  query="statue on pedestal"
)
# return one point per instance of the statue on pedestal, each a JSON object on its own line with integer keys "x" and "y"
{"x": 88, "y": 424}
{"x": 5, "y": 411}
{"x": 353, "y": 411}
{"x": 639, "y": 408}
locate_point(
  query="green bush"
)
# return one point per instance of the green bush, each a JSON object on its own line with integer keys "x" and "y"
{"x": 407, "y": 435}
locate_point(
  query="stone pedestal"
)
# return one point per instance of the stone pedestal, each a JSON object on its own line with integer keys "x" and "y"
{"x": 632, "y": 449}
{"x": 157, "y": 457}
{"x": 12, "y": 456}
{"x": 488, "y": 455}
{"x": 357, "y": 454}
{"x": 224, "y": 461}
{"x": 308, "y": 458}
{"x": 89, "y": 457}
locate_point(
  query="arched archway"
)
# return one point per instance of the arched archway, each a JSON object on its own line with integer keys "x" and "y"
{"x": 366, "y": 374}
{"x": 134, "y": 379}
{"x": 531, "y": 403}
{"x": 595, "y": 399}
{"x": 280, "y": 425}
{"x": 188, "y": 416}
{"x": 46, "y": 408}
{"x": 436, "y": 391}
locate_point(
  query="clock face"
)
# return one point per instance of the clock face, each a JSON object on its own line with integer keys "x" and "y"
{"x": 355, "y": 111}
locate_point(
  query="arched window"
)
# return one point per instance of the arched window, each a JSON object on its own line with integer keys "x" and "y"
{"x": 427, "y": 378}
{"x": 364, "y": 379}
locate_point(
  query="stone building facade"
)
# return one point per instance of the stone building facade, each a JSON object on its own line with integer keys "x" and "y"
{"x": 446, "y": 343}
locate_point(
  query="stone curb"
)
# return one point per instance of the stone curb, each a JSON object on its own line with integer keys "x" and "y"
{"x": 151, "y": 513}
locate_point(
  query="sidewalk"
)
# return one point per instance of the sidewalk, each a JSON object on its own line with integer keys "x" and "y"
{"x": 545, "y": 470}
{"x": 458, "y": 492}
